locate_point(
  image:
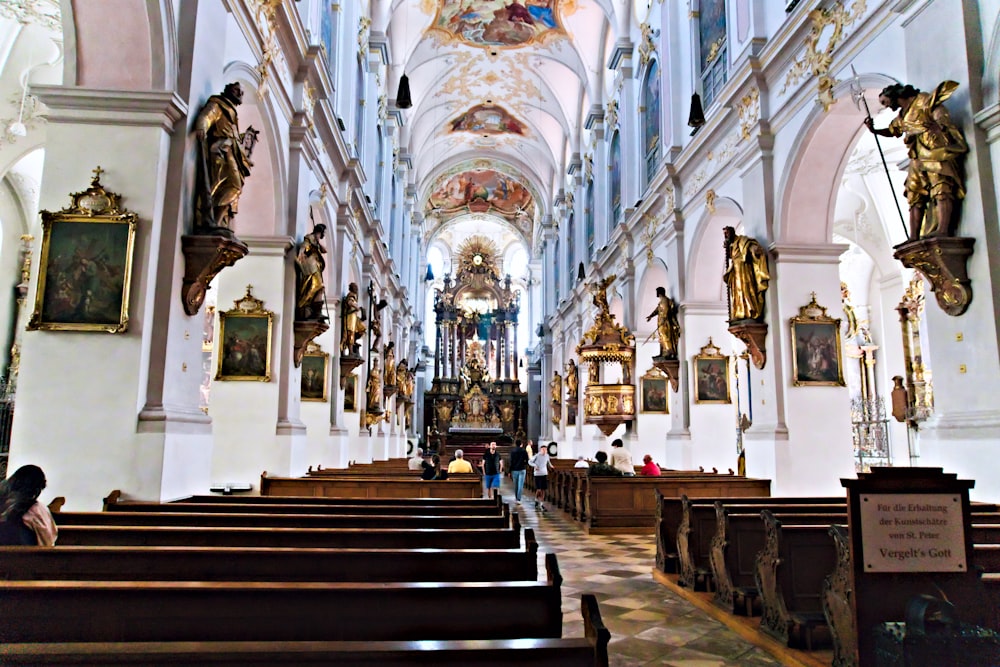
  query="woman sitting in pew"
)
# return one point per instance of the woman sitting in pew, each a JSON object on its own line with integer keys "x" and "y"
{"x": 24, "y": 520}
{"x": 433, "y": 470}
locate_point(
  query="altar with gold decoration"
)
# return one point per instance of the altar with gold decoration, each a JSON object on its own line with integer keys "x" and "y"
{"x": 476, "y": 395}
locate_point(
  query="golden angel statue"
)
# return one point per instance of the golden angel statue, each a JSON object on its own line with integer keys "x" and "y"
{"x": 746, "y": 277}
{"x": 936, "y": 147}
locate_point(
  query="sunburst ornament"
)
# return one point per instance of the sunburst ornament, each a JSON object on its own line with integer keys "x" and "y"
{"x": 478, "y": 254}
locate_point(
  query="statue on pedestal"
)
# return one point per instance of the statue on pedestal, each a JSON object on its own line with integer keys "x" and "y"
{"x": 389, "y": 353}
{"x": 374, "y": 388}
{"x": 668, "y": 329}
{"x": 746, "y": 277}
{"x": 310, "y": 264}
{"x": 572, "y": 381}
{"x": 352, "y": 323}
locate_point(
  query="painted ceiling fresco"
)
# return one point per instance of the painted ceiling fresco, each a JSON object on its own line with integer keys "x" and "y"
{"x": 498, "y": 23}
{"x": 487, "y": 119}
{"x": 483, "y": 191}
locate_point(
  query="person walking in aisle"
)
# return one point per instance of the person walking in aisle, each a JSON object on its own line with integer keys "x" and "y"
{"x": 518, "y": 469}
{"x": 492, "y": 467}
{"x": 541, "y": 464}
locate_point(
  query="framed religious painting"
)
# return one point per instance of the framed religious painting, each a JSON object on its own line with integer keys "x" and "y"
{"x": 245, "y": 335}
{"x": 653, "y": 390}
{"x": 711, "y": 375}
{"x": 351, "y": 393}
{"x": 85, "y": 264}
{"x": 817, "y": 359}
{"x": 315, "y": 373}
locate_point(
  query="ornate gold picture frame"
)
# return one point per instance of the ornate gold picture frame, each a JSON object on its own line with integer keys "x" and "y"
{"x": 315, "y": 374}
{"x": 711, "y": 375}
{"x": 351, "y": 393}
{"x": 653, "y": 396}
{"x": 85, "y": 265}
{"x": 817, "y": 359}
{"x": 245, "y": 335}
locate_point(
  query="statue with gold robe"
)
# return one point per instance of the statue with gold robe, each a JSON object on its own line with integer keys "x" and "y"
{"x": 668, "y": 328}
{"x": 746, "y": 277}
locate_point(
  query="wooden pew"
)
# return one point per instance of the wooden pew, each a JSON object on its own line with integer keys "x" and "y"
{"x": 591, "y": 650}
{"x": 267, "y": 564}
{"x": 115, "y": 497}
{"x": 486, "y": 509}
{"x": 628, "y": 504}
{"x": 271, "y": 520}
{"x": 96, "y": 611}
{"x": 340, "y": 538}
{"x": 370, "y": 486}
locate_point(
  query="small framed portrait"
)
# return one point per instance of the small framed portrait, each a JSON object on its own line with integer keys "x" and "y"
{"x": 245, "y": 333}
{"x": 816, "y": 350}
{"x": 85, "y": 264}
{"x": 315, "y": 374}
{"x": 654, "y": 392}
{"x": 711, "y": 375}
{"x": 351, "y": 393}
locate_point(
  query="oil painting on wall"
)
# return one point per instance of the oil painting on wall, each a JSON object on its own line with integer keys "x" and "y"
{"x": 245, "y": 333}
{"x": 487, "y": 119}
{"x": 351, "y": 393}
{"x": 654, "y": 393}
{"x": 498, "y": 22}
{"x": 651, "y": 117}
{"x": 314, "y": 377}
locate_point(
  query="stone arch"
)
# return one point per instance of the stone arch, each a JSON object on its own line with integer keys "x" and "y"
{"x": 126, "y": 61}
{"x": 812, "y": 178}
{"x": 706, "y": 259}
{"x": 656, "y": 275}
{"x": 264, "y": 189}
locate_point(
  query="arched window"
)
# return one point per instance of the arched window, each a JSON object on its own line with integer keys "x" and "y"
{"x": 393, "y": 219}
{"x": 590, "y": 215}
{"x": 615, "y": 186}
{"x": 557, "y": 276}
{"x": 379, "y": 172}
{"x": 359, "y": 134}
{"x": 651, "y": 119}
{"x": 570, "y": 245}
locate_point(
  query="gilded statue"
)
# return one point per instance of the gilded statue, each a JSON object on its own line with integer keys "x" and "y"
{"x": 668, "y": 328}
{"x": 600, "y": 292}
{"x": 746, "y": 277}
{"x": 374, "y": 387}
{"x": 224, "y": 160}
{"x": 572, "y": 381}
{"x": 401, "y": 379}
{"x": 352, "y": 322}
{"x": 376, "y": 319}
{"x": 389, "y": 354}
{"x": 936, "y": 148}
{"x": 555, "y": 385}
{"x": 442, "y": 410}
{"x": 311, "y": 265}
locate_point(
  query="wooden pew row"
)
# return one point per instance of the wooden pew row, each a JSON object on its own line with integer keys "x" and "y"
{"x": 96, "y": 611}
{"x": 370, "y": 486}
{"x": 486, "y": 509}
{"x": 267, "y": 564}
{"x": 270, "y": 520}
{"x": 588, "y": 651}
{"x": 340, "y": 538}
{"x": 670, "y": 510}
{"x": 325, "y": 501}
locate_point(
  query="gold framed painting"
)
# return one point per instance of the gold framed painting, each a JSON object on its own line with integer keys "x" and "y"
{"x": 817, "y": 359}
{"x": 351, "y": 393}
{"x": 653, "y": 393}
{"x": 315, "y": 374}
{"x": 711, "y": 375}
{"x": 245, "y": 332}
{"x": 85, "y": 264}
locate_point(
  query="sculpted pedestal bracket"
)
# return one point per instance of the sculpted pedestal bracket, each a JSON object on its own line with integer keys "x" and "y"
{"x": 205, "y": 255}
{"x": 347, "y": 366}
{"x": 670, "y": 367}
{"x": 388, "y": 390}
{"x": 944, "y": 262}
{"x": 305, "y": 332}
{"x": 753, "y": 334}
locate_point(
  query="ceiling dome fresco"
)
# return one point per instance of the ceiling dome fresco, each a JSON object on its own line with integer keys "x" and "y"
{"x": 498, "y": 23}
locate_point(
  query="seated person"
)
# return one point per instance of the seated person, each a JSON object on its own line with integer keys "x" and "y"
{"x": 581, "y": 463}
{"x": 24, "y": 520}
{"x": 621, "y": 458}
{"x": 459, "y": 464}
{"x": 416, "y": 462}
{"x": 648, "y": 467}
{"x": 601, "y": 468}
{"x": 433, "y": 470}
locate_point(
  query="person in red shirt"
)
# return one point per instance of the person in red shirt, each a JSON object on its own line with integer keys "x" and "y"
{"x": 648, "y": 467}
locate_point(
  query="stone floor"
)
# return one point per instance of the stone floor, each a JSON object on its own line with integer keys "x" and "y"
{"x": 649, "y": 624}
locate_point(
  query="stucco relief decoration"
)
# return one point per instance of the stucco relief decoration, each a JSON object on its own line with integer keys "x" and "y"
{"x": 364, "y": 24}
{"x": 748, "y": 109}
{"x": 44, "y": 13}
{"x": 30, "y": 116}
{"x": 650, "y": 227}
{"x": 611, "y": 114}
{"x": 647, "y": 44}
{"x": 483, "y": 191}
{"x": 308, "y": 103}
{"x": 498, "y": 23}
{"x": 265, "y": 16}
{"x": 486, "y": 118}
{"x": 825, "y": 35}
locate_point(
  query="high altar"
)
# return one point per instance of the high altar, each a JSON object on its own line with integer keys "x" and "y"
{"x": 476, "y": 395}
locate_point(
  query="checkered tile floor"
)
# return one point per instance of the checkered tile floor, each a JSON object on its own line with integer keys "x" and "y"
{"x": 649, "y": 624}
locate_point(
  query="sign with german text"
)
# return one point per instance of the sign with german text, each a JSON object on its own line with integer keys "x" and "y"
{"x": 912, "y": 532}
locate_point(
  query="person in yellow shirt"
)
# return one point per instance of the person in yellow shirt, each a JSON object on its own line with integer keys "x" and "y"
{"x": 459, "y": 464}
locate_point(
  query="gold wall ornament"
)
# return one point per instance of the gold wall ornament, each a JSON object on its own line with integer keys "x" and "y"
{"x": 245, "y": 340}
{"x": 611, "y": 114}
{"x": 308, "y": 107}
{"x": 817, "y": 359}
{"x": 710, "y": 200}
{"x": 825, "y": 35}
{"x": 647, "y": 44}
{"x": 85, "y": 264}
{"x": 943, "y": 261}
{"x": 266, "y": 22}
{"x": 748, "y": 109}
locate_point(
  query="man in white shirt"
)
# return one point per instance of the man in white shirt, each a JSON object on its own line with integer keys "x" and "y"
{"x": 416, "y": 462}
{"x": 541, "y": 464}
